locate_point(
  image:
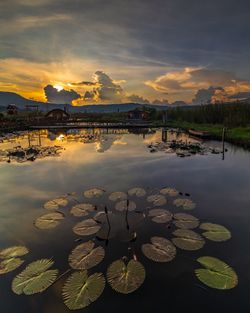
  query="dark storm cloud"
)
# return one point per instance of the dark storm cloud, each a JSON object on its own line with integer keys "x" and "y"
{"x": 63, "y": 96}
{"x": 173, "y": 32}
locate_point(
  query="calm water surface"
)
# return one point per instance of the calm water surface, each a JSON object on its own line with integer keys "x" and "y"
{"x": 118, "y": 161}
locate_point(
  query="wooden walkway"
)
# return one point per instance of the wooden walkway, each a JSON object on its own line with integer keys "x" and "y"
{"x": 91, "y": 125}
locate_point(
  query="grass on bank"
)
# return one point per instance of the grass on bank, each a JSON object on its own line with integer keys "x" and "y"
{"x": 236, "y": 135}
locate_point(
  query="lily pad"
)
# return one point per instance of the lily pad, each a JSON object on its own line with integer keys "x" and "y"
{"x": 185, "y": 221}
{"x": 93, "y": 193}
{"x": 85, "y": 256}
{"x": 126, "y": 278}
{"x": 160, "y": 215}
{"x": 13, "y": 252}
{"x": 55, "y": 203}
{"x": 118, "y": 196}
{"x": 186, "y": 204}
{"x": 215, "y": 232}
{"x": 137, "y": 191}
{"x": 216, "y": 273}
{"x": 157, "y": 200}
{"x": 49, "y": 220}
{"x": 159, "y": 250}
{"x": 122, "y": 205}
{"x": 80, "y": 290}
{"x": 101, "y": 216}
{"x": 169, "y": 192}
{"x": 86, "y": 227}
{"x": 9, "y": 265}
{"x": 82, "y": 209}
{"x": 188, "y": 240}
{"x": 35, "y": 278}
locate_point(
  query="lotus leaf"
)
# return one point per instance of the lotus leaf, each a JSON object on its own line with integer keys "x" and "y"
{"x": 216, "y": 274}
{"x": 137, "y": 191}
{"x": 169, "y": 192}
{"x": 82, "y": 209}
{"x": 80, "y": 290}
{"x": 185, "y": 221}
{"x": 85, "y": 256}
{"x": 215, "y": 232}
{"x": 126, "y": 278}
{"x": 118, "y": 196}
{"x": 186, "y": 204}
{"x": 157, "y": 200}
{"x": 160, "y": 215}
{"x": 35, "y": 278}
{"x": 49, "y": 220}
{"x": 159, "y": 250}
{"x": 86, "y": 227}
{"x": 9, "y": 265}
{"x": 124, "y": 204}
{"x": 188, "y": 240}
{"x": 13, "y": 252}
{"x": 55, "y": 203}
{"x": 93, "y": 193}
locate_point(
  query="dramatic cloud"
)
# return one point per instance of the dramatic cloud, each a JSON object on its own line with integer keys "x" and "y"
{"x": 105, "y": 89}
{"x": 66, "y": 41}
{"x": 205, "y": 96}
{"x": 191, "y": 79}
{"x": 207, "y": 84}
{"x": 63, "y": 96}
{"x": 137, "y": 99}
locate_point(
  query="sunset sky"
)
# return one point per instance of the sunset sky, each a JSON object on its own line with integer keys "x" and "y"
{"x": 113, "y": 51}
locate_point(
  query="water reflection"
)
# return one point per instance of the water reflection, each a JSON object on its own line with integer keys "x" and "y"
{"x": 221, "y": 190}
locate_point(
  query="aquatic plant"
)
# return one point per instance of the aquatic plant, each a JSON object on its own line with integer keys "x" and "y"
{"x": 126, "y": 278}
{"x": 35, "y": 278}
{"x": 159, "y": 250}
{"x": 85, "y": 256}
{"x": 118, "y": 219}
{"x": 216, "y": 273}
{"x": 49, "y": 220}
{"x": 80, "y": 290}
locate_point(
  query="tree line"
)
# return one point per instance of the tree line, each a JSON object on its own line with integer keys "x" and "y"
{"x": 228, "y": 114}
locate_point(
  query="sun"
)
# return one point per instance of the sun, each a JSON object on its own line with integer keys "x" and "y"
{"x": 58, "y": 87}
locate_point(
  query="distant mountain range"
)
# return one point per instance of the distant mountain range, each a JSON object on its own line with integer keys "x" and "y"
{"x": 7, "y": 98}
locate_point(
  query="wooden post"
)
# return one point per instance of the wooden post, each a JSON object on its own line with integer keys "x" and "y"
{"x": 29, "y": 138}
{"x": 39, "y": 138}
{"x": 223, "y": 142}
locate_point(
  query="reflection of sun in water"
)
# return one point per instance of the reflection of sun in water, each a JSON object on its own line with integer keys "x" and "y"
{"x": 58, "y": 87}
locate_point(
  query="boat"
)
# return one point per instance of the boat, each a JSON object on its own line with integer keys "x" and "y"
{"x": 199, "y": 133}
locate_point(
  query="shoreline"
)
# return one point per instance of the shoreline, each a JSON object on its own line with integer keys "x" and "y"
{"x": 239, "y": 136}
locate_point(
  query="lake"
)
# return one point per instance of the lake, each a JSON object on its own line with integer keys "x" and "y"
{"x": 118, "y": 160}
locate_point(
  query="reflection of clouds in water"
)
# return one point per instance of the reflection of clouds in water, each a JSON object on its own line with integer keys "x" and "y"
{"x": 106, "y": 141}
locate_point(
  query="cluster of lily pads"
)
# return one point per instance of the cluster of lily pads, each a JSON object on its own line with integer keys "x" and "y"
{"x": 21, "y": 155}
{"x": 182, "y": 149}
{"x": 124, "y": 275}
